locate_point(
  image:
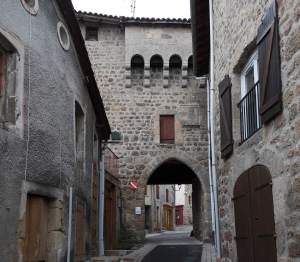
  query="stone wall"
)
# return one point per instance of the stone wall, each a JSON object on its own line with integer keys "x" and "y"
{"x": 133, "y": 103}
{"x": 276, "y": 144}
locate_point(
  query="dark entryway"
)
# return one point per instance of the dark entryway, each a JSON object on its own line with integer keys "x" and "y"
{"x": 254, "y": 216}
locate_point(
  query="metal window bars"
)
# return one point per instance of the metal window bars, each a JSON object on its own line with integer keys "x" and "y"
{"x": 250, "y": 119}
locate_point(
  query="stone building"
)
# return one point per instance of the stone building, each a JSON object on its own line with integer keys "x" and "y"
{"x": 183, "y": 203}
{"x": 52, "y": 122}
{"x": 144, "y": 72}
{"x": 159, "y": 208}
{"x": 257, "y": 124}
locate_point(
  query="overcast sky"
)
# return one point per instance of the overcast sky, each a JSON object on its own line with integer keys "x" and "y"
{"x": 144, "y": 8}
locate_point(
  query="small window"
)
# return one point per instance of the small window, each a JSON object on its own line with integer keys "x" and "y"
{"x": 31, "y": 6}
{"x": 167, "y": 130}
{"x": 190, "y": 200}
{"x": 91, "y": 34}
{"x": 63, "y": 36}
{"x": 167, "y": 195}
{"x": 190, "y": 66}
{"x": 79, "y": 134}
{"x": 157, "y": 191}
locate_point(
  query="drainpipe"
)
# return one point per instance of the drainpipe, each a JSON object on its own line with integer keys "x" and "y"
{"x": 209, "y": 163}
{"x": 101, "y": 202}
{"x": 70, "y": 223}
{"x": 213, "y": 157}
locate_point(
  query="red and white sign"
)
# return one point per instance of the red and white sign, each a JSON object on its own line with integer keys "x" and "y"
{"x": 133, "y": 185}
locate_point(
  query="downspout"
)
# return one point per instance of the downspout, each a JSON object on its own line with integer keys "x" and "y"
{"x": 70, "y": 223}
{"x": 101, "y": 202}
{"x": 213, "y": 157}
{"x": 209, "y": 163}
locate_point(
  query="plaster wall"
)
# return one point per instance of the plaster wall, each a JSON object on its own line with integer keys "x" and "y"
{"x": 276, "y": 144}
{"x": 55, "y": 83}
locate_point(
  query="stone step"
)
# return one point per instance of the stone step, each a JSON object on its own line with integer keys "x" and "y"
{"x": 120, "y": 253}
{"x": 112, "y": 259}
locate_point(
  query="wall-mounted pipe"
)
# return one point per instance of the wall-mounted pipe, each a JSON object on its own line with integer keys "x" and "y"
{"x": 213, "y": 157}
{"x": 70, "y": 223}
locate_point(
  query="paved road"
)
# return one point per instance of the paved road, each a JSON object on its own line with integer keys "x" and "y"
{"x": 173, "y": 246}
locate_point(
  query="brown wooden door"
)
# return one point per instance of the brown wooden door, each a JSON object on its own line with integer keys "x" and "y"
{"x": 80, "y": 233}
{"x": 110, "y": 215}
{"x": 94, "y": 212}
{"x": 254, "y": 216}
{"x": 36, "y": 229}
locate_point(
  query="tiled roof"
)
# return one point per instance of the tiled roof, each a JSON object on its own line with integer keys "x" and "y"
{"x": 137, "y": 19}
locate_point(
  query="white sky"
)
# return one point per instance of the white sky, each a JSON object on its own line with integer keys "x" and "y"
{"x": 144, "y": 8}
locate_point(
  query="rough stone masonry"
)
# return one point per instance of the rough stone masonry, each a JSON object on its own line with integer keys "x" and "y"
{"x": 135, "y": 98}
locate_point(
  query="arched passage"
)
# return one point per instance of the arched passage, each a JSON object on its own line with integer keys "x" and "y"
{"x": 160, "y": 207}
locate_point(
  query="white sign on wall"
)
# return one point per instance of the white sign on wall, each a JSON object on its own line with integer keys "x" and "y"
{"x": 138, "y": 210}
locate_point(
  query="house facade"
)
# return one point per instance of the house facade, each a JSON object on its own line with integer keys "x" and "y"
{"x": 183, "y": 203}
{"x": 144, "y": 72}
{"x": 256, "y": 75}
{"x": 52, "y": 122}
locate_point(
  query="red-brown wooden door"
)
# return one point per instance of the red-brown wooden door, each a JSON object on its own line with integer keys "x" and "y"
{"x": 80, "y": 234}
{"x": 110, "y": 214}
{"x": 254, "y": 216}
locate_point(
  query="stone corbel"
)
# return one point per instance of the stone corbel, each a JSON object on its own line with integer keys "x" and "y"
{"x": 166, "y": 76}
{"x": 128, "y": 75}
{"x": 184, "y": 74}
{"x": 147, "y": 75}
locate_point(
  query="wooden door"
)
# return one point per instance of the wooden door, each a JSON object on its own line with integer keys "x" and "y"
{"x": 254, "y": 216}
{"x": 110, "y": 213}
{"x": 36, "y": 229}
{"x": 168, "y": 218}
{"x": 80, "y": 234}
{"x": 94, "y": 213}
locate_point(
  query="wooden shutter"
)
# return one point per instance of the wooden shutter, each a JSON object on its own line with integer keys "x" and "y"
{"x": 36, "y": 229}
{"x": 167, "y": 131}
{"x": 269, "y": 66}
{"x": 80, "y": 232}
{"x": 225, "y": 116}
{"x": 243, "y": 227}
{"x": 167, "y": 195}
{"x": 157, "y": 191}
{"x": 262, "y": 209}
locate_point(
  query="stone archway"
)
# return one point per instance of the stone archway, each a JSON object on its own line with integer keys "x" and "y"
{"x": 136, "y": 223}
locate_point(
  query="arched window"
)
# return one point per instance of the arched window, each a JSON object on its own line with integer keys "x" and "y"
{"x": 156, "y": 71}
{"x": 175, "y": 65}
{"x": 137, "y": 71}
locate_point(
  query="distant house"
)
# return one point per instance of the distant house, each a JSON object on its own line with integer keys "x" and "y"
{"x": 183, "y": 205}
{"x": 52, "y": 125}
{"x": 257, "y": 123}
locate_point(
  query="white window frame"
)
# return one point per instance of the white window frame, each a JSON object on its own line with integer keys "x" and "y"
{"x": 252, "y": 62}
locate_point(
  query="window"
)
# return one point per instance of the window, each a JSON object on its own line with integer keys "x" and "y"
{"x": 79, "y": 134}
{"x": 157, "y": 191}
{"x": 167, "y": 130}
{"x": 167, "y": 195}
{"x": 249, "y": 105}
{"x": 91, "y": 34}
